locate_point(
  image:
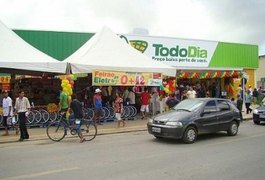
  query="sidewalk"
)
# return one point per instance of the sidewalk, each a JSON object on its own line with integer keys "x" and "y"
{"x": 38, "y": 133}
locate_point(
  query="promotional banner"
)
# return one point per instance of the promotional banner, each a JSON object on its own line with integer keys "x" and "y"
{"x": 174, "y": 52}
{"x": 114, "y": 78}
{"x": 5, "y": 79}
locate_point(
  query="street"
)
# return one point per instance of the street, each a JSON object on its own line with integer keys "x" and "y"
{"x": 137, "y": 156}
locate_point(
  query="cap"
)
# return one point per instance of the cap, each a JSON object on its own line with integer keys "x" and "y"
{"x": 97, "y": 90}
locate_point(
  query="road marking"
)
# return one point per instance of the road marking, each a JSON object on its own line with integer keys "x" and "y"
{"x": 27, "y": 176}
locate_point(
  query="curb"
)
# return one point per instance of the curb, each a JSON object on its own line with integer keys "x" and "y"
{"x": 107, "y": 132}
{"x": 39, "y": 138}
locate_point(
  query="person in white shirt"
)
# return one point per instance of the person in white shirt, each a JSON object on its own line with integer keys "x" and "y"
{"x": 22, "y": 107}
{"x": 7, "y": 110}
{"x": 250, "y": 90}
{"x": 131, "y": 97}
{"x": 191, "y": 93}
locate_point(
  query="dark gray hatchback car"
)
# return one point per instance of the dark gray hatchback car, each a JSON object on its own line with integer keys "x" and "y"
{"x": 196, "y": 116}
{"x": 259, "y": 114}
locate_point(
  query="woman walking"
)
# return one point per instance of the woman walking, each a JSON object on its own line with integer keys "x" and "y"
{"x": 118, "y": 107}
{"x": 248, "y": 101}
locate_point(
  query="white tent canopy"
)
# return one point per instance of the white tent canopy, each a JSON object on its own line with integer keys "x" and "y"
{"x": 16, "y": 54}
{"x": 106, "y": 51}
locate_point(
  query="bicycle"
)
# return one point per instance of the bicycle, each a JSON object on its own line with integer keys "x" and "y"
{"x": 57, "y": 130}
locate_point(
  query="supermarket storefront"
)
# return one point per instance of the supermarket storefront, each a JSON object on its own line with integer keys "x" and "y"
{"x": 194, "y": 60}
{"x": 200, "y": 61}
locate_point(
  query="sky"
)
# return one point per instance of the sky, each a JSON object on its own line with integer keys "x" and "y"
{"x": 238, "y": 21}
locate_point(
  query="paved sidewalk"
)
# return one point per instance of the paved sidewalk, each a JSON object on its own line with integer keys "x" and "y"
{"x": 37, "y": 133}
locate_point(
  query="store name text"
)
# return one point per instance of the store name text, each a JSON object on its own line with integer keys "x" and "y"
{"x": 191, "y": 51}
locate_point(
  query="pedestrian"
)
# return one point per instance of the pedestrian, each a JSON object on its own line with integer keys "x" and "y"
{"x": 22, "y": 108}
{"x": 172, "y": 101}
{"x": 97, "y": 101}
{"x": 131, "y": 97}
{"x": 239, "y": 104}
{"x": 191, "y": 94}
{"x": 145, "y": 98}
{"x": 118, "y": 108}
{"x": 250, "y": 90}
{"x": 233, "y": 101}
{"x": 248, "y": 98}
{"x": 255, "y": 96}
{"x": 64, "y": 103}
{"x": 7, "y": 110}
{"x": 76, "y": 108}
{"x": 164, "y": 99}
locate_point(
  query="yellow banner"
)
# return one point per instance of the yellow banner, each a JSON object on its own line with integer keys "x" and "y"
{"x": 115, "y": 78}
{"x": 5, "y": 79}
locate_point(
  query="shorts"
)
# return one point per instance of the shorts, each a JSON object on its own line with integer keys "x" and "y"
{"x": 98, "y": 111}
{"x": 145, "y": 108}
{"x": 63, "y": 112}
{"x": 77, "y": 125}
{"x": 76, "y": 122}
{"x": 118, "y": 116}
{"x": 5, "y": 121}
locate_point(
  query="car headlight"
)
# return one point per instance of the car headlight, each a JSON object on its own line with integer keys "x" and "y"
{"x": 174, "y": 123}
{"x": 255, "y": 111}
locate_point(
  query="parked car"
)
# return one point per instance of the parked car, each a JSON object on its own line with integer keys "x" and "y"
{"x": 196, "y": 116}
{"x": 259, "y": 114}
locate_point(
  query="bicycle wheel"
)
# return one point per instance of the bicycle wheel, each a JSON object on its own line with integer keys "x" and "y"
{"x": 134, "y": 111}
{"x": 30, "y": 118}
{"x": 131, "y": 112}
{"x": 45, "y": 115}
{"x": 37, "y": 116}
{"x": 56, "y": 131}
{"x": 126, "y": 112}
{"x": 112, "y": 113}
{"x": 106, "y": 112}
{"x": 89, "y": 130}
{"x": 85, "y": 113}
{"x": 90, "y": 113}
{"x": 53, "y": 116}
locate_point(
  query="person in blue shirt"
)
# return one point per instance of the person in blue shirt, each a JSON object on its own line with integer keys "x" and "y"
{"x": 248, "y": 99}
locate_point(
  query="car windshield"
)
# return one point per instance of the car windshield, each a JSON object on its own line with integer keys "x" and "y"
{"x": 188, "y": 105}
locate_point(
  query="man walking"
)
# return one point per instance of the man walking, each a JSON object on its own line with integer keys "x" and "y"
{"x": 22, "y": 107}
{"x": 145, "y": 98}
{"x": 7, "y": 110}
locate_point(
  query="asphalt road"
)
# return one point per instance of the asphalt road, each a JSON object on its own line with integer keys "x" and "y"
{"x": 139, "y": 156}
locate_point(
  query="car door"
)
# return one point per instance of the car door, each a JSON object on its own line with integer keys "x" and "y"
{"x": 208, "y": 119}
{"x": 225, "y": 114}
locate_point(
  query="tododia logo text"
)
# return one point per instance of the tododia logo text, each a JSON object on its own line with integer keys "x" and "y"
{"x": 190, "y": 51}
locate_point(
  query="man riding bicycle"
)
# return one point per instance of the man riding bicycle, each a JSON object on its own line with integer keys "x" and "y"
{"x": 76, "y": 108}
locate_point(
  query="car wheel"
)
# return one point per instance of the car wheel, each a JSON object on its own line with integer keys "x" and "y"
{"x": 233, "y": 129}
{"x": 190, "y": 135}
{"x": 256, "y": 121}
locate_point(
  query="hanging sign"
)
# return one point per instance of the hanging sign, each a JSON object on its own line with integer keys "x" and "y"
{"x": 5, "y": 79}
{"x": 116, "y": 78}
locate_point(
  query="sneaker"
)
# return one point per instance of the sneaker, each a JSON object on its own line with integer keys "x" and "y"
{"x": 20, "y": 139}
{"x": 82, "y": 140}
